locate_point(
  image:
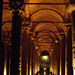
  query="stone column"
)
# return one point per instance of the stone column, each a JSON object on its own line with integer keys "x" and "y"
{"x": 1, "y": 43}
{"x": 15, "y": 6}
{"x": 68, "y": 49}
{"x": 53, "y": 60}
{"x": 73, "y": 39}
{"x": 51, "y": 68}
{"x": 1, "y": 58}
{"x": 34, "y": 54}
{"x": 58, "y": 58}
{"x": 71, "y": 9}
{"x": 24, "y": 53}
{"x": 29, "y": 56}
{"x": 62, "y": 53}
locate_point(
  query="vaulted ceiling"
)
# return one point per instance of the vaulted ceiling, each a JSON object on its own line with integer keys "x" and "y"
{"x": 46, "y": 19}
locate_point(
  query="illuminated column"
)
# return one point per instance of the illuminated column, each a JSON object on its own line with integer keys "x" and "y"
{"x": 51, "y": 68}
{"x": 15, "y": 7}
{"x": 58, "y": 58}
{"x": 1, "y": 44}
{"x": 71, "y": 9}
{"x": 32, "y": 60}
{"x": 68, "y": 49}
{"x": 8, "y": 58}
{"x": 36, "y": 64}
{"x": 24, "y": 53}
{"x": 73, "y": 61}
{"x": 62, "y": 53}
{"x": 32, "y": 54}
{"x": 53, "y": 61}
{"x": 27, "y": 64}
{"x": 29, "y": 56}
{"x": 32, "y": 65}
{"x": 73, "y": 39}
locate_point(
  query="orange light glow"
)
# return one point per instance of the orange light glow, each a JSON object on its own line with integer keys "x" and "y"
{"x": 44, "y": 73}
{"x": 74, "y": 72}
{"x": 73, "y": 61}
{"x": 45, "y": 57}
{"x": 5, "y": 68}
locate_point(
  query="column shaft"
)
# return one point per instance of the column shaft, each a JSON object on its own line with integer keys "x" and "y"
{"x": 1, "y": 58}
{"x": 51, "y": 68}
{"x": 1, "y": 44}
{"x": 15, "y": 44}
{"x": 58, "y": 58}
{"x": 73, "y": 28}
{"x": 73, "y": 39}
{"x": 29, "y": 57}
{"x": 24, "y": 53}
{"x": 32, "y": 50}
{"x": 62, "y": 47}
{"x": 69, "y": 52}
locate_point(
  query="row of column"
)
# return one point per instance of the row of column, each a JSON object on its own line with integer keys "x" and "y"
{"x": 28, "y": 56}
{"x": 64, "y": 53}
{"x": 15, "y": 45}
{"x": 27, "y": 60}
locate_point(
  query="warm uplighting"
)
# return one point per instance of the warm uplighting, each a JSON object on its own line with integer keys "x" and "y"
{"x": 36, "y": 47}
{"x": 56, "y": 41}
{"x": 44, "y": 73}
{"x": 44, "y": 68}
{"x": 32, "y": 38}
{"x": 60, "y": 68}
{"x": 74, "y": 72}
{"x": 51, "y": 68}
{"x": 73, "y": 61}
{"x": 39, "y": 54}
{"x": 30, "y": 71}
{"x": 5, "y": 68}
{"x": 60, "y": 72}
{"x": 35, "y": 69}
{"x": 45, "y": 57}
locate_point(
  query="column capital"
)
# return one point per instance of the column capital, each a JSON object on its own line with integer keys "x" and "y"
{"x": 16, "y": 7}
{"x": 66, "y": 27}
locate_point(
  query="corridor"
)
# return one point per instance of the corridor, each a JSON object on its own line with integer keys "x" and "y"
{"x": 37, "y": 37}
